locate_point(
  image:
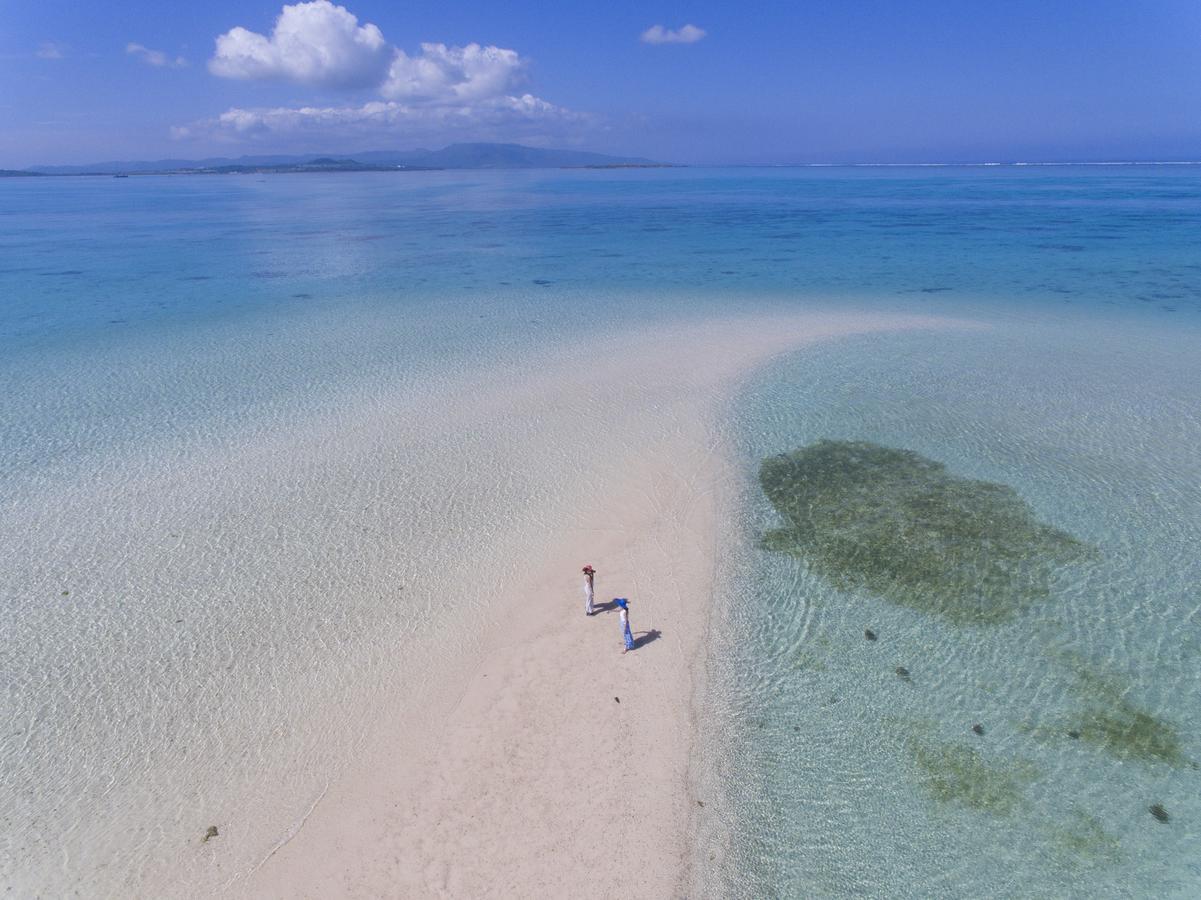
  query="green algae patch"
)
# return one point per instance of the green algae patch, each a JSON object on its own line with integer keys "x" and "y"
{"x": 958, "y": 774}
{"x": 1119, "y": 727}
{"x": 1111, "y": 721}
{"x": 896, "y": 524}
{"x": 1083, "y": 840}
{"x": 1131, "y": 733}
{"x": 808, "y": 660}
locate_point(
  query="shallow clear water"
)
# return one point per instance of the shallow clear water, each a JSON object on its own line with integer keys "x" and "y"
{"x": 100, "y": 256}
{"x": 230, "y": 403}
{"x": 847, "y": 779}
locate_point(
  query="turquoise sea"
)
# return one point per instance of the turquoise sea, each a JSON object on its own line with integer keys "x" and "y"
{"x": 148, "y": 323}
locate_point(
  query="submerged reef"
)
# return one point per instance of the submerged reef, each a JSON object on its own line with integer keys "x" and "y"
{"x": 1113, "y": 722}
{"x": 898, "y": 525}
{"x": 1083, "y": 840}
{"x": 955, "y": 773}
{"x": 1110, "y": 720}
{"x": 806, "y": 659}
{"x": 1127, "y": 732}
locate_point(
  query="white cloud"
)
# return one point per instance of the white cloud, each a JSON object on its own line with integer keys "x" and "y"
{"x": 444, "y": 74}
{"x": 509, "y": 115}
{"x": 474, "y": 89}
{"x": 51, "y": 50}
{"x": 657, "y": 34}
{"x": 314, "y": 43}
{"x": 156, "y": 58}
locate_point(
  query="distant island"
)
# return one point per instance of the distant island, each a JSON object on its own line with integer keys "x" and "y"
{"x": 455, "y": 156}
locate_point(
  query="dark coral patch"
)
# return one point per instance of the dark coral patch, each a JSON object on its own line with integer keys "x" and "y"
{"x": 957, "y": 774}
{"x": 1112, "y": 720}
{"x": 896, "y": 524}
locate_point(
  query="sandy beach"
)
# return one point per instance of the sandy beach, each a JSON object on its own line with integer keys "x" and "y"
{"x": 546, "y": 763}
{"x": 353, "y": 635}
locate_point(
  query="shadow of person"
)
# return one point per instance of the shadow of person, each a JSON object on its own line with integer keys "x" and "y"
{"x": 604, "y": 607}
{"x": 645, "y": 637}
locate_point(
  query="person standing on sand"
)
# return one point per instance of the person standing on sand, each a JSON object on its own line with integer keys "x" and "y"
{"x": 589, "y": 591}
{"x": 624, "y": 604}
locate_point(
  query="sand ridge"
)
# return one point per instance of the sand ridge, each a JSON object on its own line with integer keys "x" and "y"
{"x": 558, "y": 766}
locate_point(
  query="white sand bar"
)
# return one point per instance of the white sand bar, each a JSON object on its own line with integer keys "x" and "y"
{"x": 559, "y": 767}
{"x": 350, "y": 634}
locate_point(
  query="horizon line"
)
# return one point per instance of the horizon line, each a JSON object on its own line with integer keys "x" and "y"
{"x": 349, "y": 157}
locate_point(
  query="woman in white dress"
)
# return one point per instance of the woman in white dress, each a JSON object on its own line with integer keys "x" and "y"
{"x": 589, "y": 589}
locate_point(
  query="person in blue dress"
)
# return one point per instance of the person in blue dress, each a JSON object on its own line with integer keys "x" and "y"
{"x": 624, "y": 613}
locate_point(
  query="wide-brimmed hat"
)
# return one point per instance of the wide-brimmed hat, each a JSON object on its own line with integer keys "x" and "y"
{"x": 589, "y": 570}
{"x": 622, "y": 602}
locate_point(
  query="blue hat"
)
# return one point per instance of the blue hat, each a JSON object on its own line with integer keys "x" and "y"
{"x": 622, "y": 602}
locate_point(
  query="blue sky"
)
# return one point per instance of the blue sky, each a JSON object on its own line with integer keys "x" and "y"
{"x": 715, "y": 82}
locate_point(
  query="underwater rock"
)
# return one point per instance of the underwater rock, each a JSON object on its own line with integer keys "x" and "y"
{"x": 896, "y": 524}
{"x": 869, "y": 634}
{"x": 1161, "y": 814}
{"x": 902, "y": 671}
{"x": 978, "y": 728}
{"x": 211, "y": 833}
{"x": 1074, "y": 734}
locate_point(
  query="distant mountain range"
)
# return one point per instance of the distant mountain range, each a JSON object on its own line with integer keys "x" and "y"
{"x": 456, "y": 156}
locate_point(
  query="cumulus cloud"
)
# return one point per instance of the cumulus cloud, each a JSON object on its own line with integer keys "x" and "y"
{"x": 284, "y": 119}
{"x": 156, "y": 58}
{"x": 314, "y": 43}
{"x": 508, "y": 115}
{"x": 51, "y": 50}
{"x": 448, "y": 74}
{"x": 474, "y": 89}
{"x": 657, "y": 34}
